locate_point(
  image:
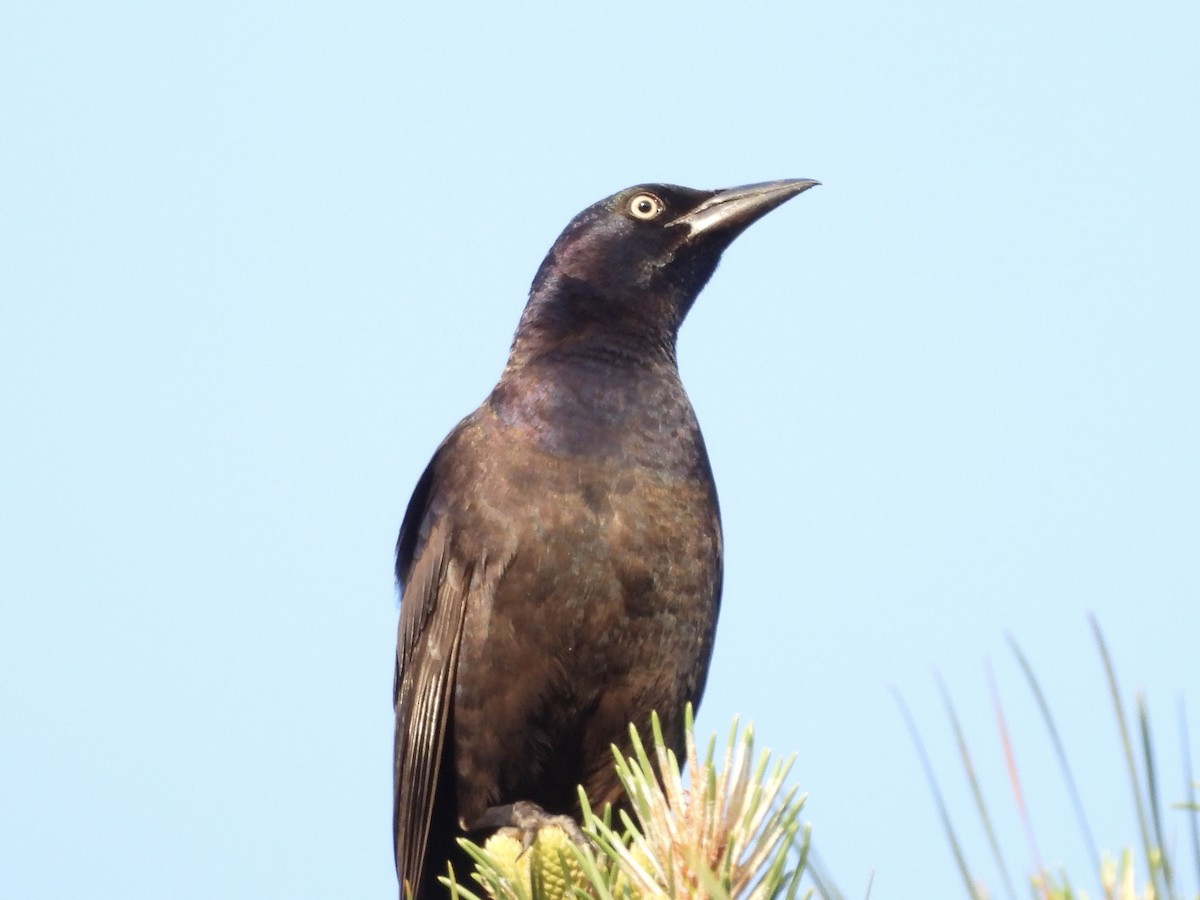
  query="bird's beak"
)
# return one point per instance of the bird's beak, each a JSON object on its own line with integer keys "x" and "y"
{"x": 734, "y": 209}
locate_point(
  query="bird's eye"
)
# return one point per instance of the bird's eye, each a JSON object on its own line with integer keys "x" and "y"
{"x": 646, "y": 206}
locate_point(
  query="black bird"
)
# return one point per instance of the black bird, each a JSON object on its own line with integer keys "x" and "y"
{"x": 560, "y": 559}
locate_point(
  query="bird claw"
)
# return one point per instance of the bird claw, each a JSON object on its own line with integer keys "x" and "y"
{"x": 529, "y": 819}
{"x": 524, "y": 819}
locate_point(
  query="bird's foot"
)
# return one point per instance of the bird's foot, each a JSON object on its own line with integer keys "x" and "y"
{"x": 527, "y": 818}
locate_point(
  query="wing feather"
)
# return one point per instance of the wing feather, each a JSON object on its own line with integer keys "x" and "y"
{"x": 430, "y": 630}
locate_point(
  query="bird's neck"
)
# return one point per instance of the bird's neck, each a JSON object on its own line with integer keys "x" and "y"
{"x": 572, "y": 321}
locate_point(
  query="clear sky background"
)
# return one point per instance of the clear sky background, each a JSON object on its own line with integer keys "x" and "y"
{"x": 257, "y": 258}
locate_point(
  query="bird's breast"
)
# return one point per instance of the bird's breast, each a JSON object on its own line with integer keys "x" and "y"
{"x": 603, "y": 539}
{"x": 608, "y": 532}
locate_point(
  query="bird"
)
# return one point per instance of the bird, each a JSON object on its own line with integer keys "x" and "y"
{"x": 560, "y": 559}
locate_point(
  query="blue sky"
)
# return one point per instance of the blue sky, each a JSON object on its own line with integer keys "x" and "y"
{"x": 257, "y": 258}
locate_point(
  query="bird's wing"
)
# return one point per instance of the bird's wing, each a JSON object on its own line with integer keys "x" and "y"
{"x": 431, "y": 621}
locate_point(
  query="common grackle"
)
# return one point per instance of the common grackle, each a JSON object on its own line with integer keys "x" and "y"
{"x": 560, "y": 559}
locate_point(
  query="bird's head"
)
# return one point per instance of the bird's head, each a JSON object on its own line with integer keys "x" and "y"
{"x": 625, "y": 271}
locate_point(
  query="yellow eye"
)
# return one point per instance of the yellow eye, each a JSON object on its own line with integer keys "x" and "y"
{"x": 646, "y": 206}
